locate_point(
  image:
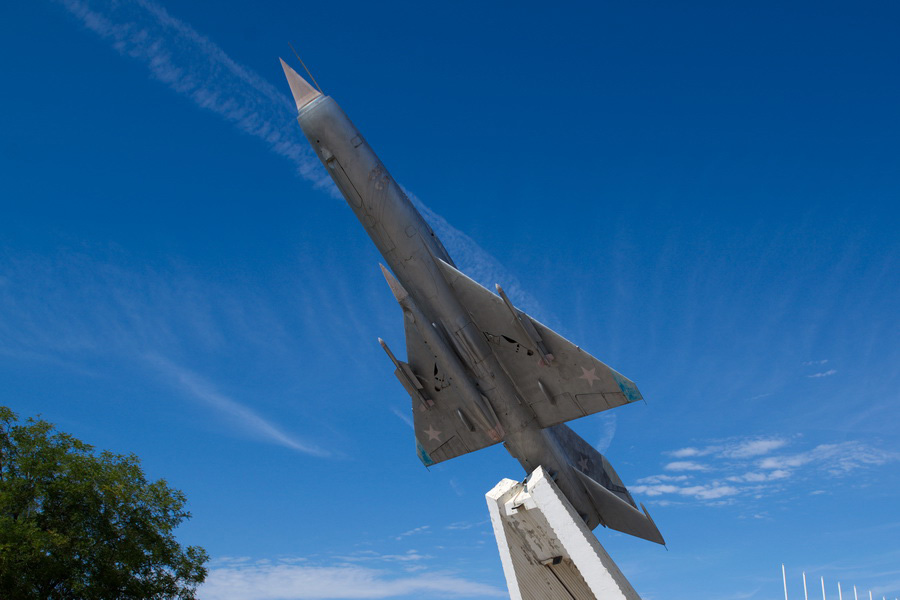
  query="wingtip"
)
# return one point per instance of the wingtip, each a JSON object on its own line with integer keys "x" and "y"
{"x": 302, "y": 91}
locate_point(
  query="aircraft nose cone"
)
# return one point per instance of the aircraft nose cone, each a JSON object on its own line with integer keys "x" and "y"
{"x": 303, "y": 92}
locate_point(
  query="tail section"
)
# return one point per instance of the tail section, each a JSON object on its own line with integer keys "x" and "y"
{"x": 608, "y": 494}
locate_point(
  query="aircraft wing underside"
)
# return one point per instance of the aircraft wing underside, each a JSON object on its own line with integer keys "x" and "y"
{"x": 574, "y": 385}
{"x": 443, "y": 429}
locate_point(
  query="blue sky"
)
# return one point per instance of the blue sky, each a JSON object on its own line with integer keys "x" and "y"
{"x": 705, "y": 197}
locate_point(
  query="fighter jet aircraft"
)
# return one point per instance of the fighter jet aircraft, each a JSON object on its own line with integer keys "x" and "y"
{"x": 479, "y": 370}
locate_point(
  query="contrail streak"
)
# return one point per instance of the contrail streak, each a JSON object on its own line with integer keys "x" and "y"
{"x": 195, "y": 67}
{"x": 196, "y": 386}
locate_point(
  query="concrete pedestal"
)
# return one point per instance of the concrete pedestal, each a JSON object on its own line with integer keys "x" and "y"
{"x": 546, "y": 549}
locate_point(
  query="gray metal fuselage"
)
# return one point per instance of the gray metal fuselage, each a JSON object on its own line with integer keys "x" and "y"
{"x": 411, "y": 249}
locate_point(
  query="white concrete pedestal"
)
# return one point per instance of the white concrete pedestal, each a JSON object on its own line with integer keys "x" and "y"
{"x": 547, "y": 551}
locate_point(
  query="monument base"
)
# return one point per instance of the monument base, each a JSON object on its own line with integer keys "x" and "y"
{"x": 546, "y": 549}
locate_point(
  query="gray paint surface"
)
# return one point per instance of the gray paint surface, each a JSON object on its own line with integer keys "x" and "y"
{"x": 479, "y": 371}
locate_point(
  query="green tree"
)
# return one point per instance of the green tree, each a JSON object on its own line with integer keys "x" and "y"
{"x": 75, "y": 524}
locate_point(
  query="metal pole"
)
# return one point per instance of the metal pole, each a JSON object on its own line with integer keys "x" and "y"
{"x": 855, "y": 597}
{"x": 805, "y": 595}
{"x": 823, "y": 587}
{"x": 784, "y": 578}
{"x": 840, "y": 593}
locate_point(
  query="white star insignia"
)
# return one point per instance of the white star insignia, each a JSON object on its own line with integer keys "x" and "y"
{"x": 589, "y": 375}
{"x": 583, "y": 463}
{"x": 433, "y": 434}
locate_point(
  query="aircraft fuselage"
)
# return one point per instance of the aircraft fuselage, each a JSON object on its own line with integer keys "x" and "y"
{"x": 410, "y": 247}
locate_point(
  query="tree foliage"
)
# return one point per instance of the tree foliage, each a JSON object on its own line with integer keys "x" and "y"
{"x": 84, "y": 525}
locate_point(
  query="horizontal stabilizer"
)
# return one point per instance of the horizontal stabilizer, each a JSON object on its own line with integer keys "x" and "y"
{"x": 617, "y": 514}
{"x": 614, "y": 504}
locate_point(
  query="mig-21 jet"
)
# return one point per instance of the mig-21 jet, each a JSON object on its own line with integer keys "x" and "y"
{"x": 479, "y": 370}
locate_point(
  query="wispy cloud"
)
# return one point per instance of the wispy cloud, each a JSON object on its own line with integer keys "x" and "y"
{"x": 294, "y": 580}
{"x": 663, "y": 479}
{"x": 759, "y": 477}
{"x": 194, "y": 385}
{"x": 685, "y": 465}
{"x": 74, "y": 310}
{"x": 403, "y": 416}
{"x": 193, "y": 66}
{"x": 809, "y": 363}
{"x": 750, "y": 448}
{"x": 607, "y": 422}
{"x": 463, "y": 525}
{"x": 477, "y": 263}
{"x": 753, "y": 468}
{"x": 701, "y": 492}
{"x": 372, "y": 556}
{"x": 414, "y": 531}
{"x": 744, "y": 448}
{"x": 836, "y": 459}
{"x": 827, "y": 373}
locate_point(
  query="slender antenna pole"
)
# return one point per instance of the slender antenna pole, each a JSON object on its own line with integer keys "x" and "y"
{"x": 855, "y": 597}
{"x": 840, "y": 593}
{"x": 304, "y": 67}
{"x": 805, "y": 595}
{"x": 823, "y": 588}
{"x": 784, "y": 577}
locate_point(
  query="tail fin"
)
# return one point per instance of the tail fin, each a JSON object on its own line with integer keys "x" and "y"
{"x": 609, "y": 495}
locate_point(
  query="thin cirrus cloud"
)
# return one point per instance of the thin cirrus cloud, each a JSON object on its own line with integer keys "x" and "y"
{"x": 415, "y": 531}
{"x": 73, "y": 309}
{"x": 752, "y": 468}
{"x": 294, "y": 580}
{"x": 193, "y": 66}
{"x": 193, "y": 384}
{"x": 827, "y": 373}
{"x": 735, "y": 449}
{"x": 835, "y": 459}
{"x": 685, "y": 465}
